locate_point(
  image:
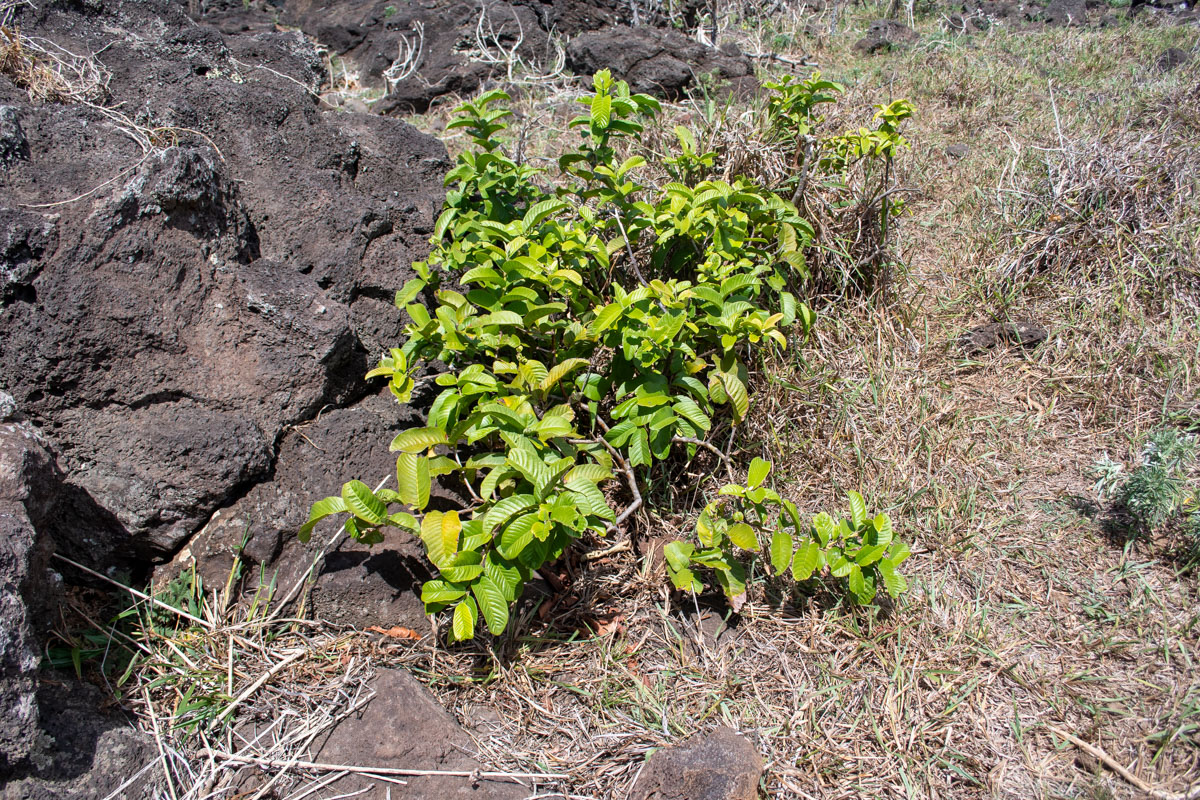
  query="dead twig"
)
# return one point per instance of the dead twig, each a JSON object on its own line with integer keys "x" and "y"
{"x": 411, "y": 773}
{"x": 1192, "y": 793}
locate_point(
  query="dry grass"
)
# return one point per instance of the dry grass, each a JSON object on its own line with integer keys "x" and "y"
{"x": 48, "y": 72}
{"x": 1024, "y": 616}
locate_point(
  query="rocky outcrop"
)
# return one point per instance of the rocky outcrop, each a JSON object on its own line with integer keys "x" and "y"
{"x": 721, "y": 765}
{"x": 166, "y": 315}
{"x": 85, "y": 753}
{"x": 418, "y": 53}
{"x": 355, "y": 585}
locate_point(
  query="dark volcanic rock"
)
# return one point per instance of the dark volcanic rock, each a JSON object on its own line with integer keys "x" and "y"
{"x": 421, "y": 52}
{"x": 884, "y": 34}
{"x": 167, "y": 323}
{"x": 13, "y": 144}
{"x": 658, "y": 61}
{"x": 1171, "y": 58}
{"x": 1023, "y": 333}
{"x": 721, "y": 765}
{"x": 86, "y": 754}
{"x": 27, "y": 480}
{"x": 357, "y": 585}
{"x": 404, "y": 727}
{"x": 1066, "y": 13}
{"x": 456, "y": 45}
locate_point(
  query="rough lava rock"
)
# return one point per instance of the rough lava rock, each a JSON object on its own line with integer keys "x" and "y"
{"x": 169, "y": 322}
{"x": 355, "y": 584}
{"x": 454, "y": 46}
{"x": 404, "y": 727}
{"x": 1022, "y": 333}
{"x": 86, "y": 754}
{"x": 446, "y": 38}
{"x": 886, "y": 34}
{"x": 722, "y": 765}
{"x": 658, "y": 61}
{"x": 27, "y": 480}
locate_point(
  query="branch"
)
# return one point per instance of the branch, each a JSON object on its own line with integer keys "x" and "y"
{"x": 711, "y": 448}
{"x": 629, "y": 249}
{"x": 630, "y": 478}
{"x": 1192, "y": 792}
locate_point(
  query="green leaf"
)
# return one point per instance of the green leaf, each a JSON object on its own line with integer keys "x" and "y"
{"x": 320, "y": 510}
{"x": 517, "y": 536}
{"x": 759, "y": 469}
{"x": 823, "y": 525}
{"x": 839, "y": 565}
{"x": 412, "y": 287}
{"x": 416, "y": 440}
{"x": 781, "y": 550}
{"x": 539, "y": 211}
{"x": 505, "y": 575}
{"x": 685, "y": 581}
{"x": 589, "y": 472}
{"x": 858, "y": 509}
{"x": 606, "y": 318}
{"x": 805, "y": 562}
{"x": 856, "y": 583}
{"x": 737, "y": 394}
{"x": 492, "y": 602}
{"x": 733, "y": 581}
{"x": 560, "y": 371}
{"x": 413, "y": 480}
{"x": 639, "y": 449}
{"x": 678, "y": 554}
{"x": 883, "y": 529}
{"x": 893, "y": 581}
{"x": 899, "y": 553}
{"x": 362, "y": 503}
{"x": 440, "y": 591}
{"x": 439, "y": 532}
{"x": 687, "y": 408}
{"x": 743, "y": 536}
{"x": 506, "y": 509}
{"x": 463, "y": 626}
{"x": 601, "y": 110}
{"x": 529, "y": 464}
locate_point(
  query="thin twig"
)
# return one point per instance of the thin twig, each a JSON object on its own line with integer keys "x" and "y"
{"x": 1192, "y": 792}
{"x": 252, "y": 688}
{"x": 162, "y": 753}
{"x": 412, "y": 773}
{"x": 142, "y": 595}
{"x": 711, "y": 448}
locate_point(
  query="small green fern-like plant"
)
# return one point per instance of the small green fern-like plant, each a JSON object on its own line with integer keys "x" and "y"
{"x": 587, "y": 333}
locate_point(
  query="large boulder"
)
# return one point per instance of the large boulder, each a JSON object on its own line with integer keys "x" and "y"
{"x": 885, "y": 34}
{"x": 419, "y": 52}
{"x": 182, "y": 285}
{"x": 416, "y": 53}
